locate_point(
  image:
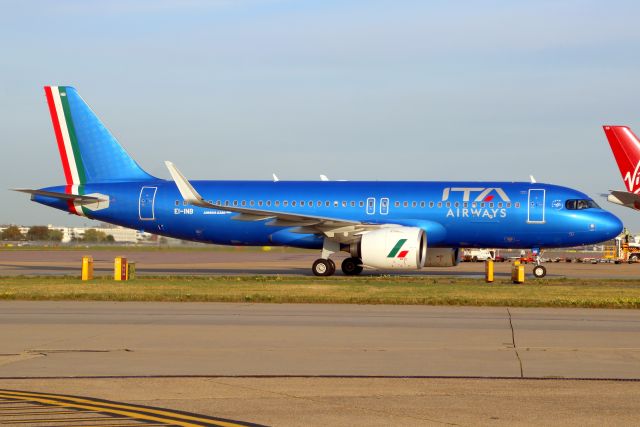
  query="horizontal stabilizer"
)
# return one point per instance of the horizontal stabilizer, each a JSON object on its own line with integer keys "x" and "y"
{"x": 64, "y": 196}
{"x": 624, "y": 198}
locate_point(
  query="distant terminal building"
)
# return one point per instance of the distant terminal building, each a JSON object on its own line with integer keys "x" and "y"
{"x": 120, "y": 234}
{"x": 69, "y": 234}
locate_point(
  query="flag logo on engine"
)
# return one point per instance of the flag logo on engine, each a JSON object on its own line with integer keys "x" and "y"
{"x": 396, "y": 250}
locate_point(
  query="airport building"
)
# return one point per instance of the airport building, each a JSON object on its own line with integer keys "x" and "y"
{"x": 69, "y": 234}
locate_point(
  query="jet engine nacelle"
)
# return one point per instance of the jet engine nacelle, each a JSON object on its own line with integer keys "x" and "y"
{"x": 442, "y": 257}
{"x": 393, "y": 248}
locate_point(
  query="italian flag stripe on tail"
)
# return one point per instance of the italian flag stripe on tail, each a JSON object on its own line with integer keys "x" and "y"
{"x": 68, "y": 147}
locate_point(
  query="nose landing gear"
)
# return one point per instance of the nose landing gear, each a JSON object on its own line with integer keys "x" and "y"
{"x": 539, "y": 271}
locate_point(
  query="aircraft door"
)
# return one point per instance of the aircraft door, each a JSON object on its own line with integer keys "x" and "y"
{"x": 536, "y": 206}
{"x": 147, "y": 203}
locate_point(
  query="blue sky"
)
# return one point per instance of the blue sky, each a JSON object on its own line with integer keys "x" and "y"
{"x": 388, "y": 90}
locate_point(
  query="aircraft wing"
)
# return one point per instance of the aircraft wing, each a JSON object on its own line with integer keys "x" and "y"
{"x": 624, "y": 198}
{"x": 78, "y": 198}
{"x": 342, "y": 230}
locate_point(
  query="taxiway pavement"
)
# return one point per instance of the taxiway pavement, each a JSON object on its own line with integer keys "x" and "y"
{"x": 242, "y": 261}
{"x": 118, "y": 339}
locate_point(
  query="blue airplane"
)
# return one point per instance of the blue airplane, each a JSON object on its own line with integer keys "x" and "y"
{"x": 382, "y": 225}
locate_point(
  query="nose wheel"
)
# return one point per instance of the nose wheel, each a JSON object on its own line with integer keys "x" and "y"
{"x": 539, "y": 271}
{"x": 323, "y": 267}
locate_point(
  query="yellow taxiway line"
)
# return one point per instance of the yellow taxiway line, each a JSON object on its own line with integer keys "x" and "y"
{"x": 130, "y": 412}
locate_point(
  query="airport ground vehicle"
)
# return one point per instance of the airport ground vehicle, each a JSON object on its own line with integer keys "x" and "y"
{"x": 384, "y": 225}
{"x": 623, "y": 250}
{"x": 475, "y": 255}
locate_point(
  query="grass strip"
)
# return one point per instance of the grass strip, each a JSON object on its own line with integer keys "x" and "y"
{"x": 561, "y": 292}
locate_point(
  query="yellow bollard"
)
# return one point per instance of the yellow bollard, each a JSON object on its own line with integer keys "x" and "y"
{"x": 517, "y": 272}
{"x": 131, "y": 270}
{"x": 488, "y": 271}
{"x": 120, "y": 268}
{"x": 87, "y": 267}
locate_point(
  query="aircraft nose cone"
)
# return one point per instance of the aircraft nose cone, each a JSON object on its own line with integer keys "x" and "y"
{"x": 610, "y": 226}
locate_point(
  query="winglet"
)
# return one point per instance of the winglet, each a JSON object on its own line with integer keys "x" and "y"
{"x": 188, "y": 193}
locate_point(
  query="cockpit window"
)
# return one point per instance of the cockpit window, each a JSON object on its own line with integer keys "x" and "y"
{"x": 578, "y": 204}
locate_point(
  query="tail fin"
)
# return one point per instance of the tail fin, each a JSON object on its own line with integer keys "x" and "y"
{"x": 626, "y": 149}
{"x": 89, "y": 153}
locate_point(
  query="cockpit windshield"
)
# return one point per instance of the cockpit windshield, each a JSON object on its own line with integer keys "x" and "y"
{"x": 578, "y": 204}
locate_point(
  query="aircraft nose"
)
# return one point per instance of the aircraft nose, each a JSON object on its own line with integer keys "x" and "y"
{"x": 610, "y": 225}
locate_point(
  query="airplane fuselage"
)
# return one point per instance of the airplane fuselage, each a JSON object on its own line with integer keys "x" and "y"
{"x": 453, "y": 214}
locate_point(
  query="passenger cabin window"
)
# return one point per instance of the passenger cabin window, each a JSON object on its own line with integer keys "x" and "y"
{"x": 579, "y": 204}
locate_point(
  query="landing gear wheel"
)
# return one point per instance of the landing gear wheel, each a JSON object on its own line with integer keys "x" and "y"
{"x": 539, "y": 271}
{"x": 333, "y": 266}
{"x": 323, "y": 267}
{"x": 351, "y": 266}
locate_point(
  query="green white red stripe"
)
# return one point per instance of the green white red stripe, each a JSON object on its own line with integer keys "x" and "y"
{"x": 396, "y": 250}
{"x": 67, "y": 140}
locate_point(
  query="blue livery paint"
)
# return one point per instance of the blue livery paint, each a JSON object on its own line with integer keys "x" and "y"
{"x": 103, "y": 158}
{"x": 536, "y": 216}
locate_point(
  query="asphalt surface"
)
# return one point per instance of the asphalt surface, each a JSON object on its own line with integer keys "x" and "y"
{"x": 241, "y": 261}
{"x": 235, "y": 361}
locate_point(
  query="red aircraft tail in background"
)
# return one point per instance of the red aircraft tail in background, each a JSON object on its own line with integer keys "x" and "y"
{"x": 626, "y": 150}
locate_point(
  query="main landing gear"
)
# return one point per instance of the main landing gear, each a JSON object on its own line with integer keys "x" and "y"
{"x": 324, "y": 266}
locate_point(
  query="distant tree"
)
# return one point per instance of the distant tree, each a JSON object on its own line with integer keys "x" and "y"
{"x": 12, "y": 233}
{"x": 38, "y": 232}
{"x": 109, "y": 239}
{"x": 55, "y": 235}
{"x": 94, "y": 236}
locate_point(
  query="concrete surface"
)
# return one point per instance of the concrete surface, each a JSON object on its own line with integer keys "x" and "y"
{"x": 90, "y": 346}
{"x": 102, "y": 338}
